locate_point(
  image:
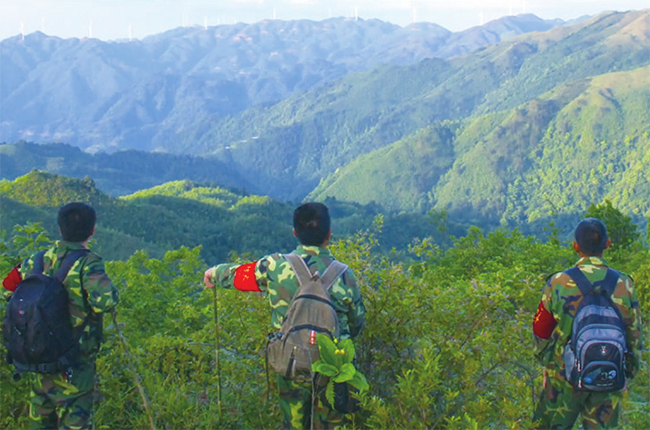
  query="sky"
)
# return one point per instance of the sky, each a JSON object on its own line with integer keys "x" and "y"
{"x": 121, "y": 19}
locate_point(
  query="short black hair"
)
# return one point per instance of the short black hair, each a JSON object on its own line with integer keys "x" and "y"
{"x": 591, "y": 235}
{"x": 76, "y": 221}
{"x": 312, "y": 223}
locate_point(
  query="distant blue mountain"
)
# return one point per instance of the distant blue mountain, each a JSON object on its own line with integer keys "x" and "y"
{"x": 143, "y": 94}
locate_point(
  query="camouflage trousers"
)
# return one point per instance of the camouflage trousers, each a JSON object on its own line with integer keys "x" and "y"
{"x": 560, "y": 404}
{"x": 296, "y": 404}
{"x": 63, "y": 401}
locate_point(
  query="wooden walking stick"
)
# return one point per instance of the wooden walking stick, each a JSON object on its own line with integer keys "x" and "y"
{"x": 217, "y": 347}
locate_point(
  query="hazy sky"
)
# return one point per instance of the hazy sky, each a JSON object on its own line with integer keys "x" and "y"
{"x": 113, "y": 19}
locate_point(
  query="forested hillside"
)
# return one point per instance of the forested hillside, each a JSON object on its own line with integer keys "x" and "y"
{"x": 186, "y": 213}
{"x": 148, "y": 94}
{"x": 155, "y": 220}
{"x": 482, "y": 136}
{"x": 582, "y": 142}
{"x": 306, "y": 138}
{"x": 117, "y": 173}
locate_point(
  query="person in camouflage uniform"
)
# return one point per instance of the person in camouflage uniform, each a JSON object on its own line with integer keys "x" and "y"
{"x": 66, "y": 400}
{"x": 560, "y": 404}
{"x": 273, "y": 274}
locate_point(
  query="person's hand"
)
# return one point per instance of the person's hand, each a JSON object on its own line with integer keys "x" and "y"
{"x": 207, "y": 278}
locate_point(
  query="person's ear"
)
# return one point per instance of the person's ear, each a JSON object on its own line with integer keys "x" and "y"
{"x": 608, "y": 243}
{"x": 576, "y": 247}
{"x": 294, "y": 233}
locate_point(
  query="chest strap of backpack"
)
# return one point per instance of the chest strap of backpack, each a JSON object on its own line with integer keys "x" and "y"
{"x": 607, "y": 284}
{"x": 328, "y": 278}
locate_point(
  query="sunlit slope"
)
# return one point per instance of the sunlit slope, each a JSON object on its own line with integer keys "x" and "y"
{"x": 167, "y": 217}
{"x": 293, "y": 145}
{"x": 575, "y": 145}
{"x": 399, "y": 177}
{"x": 601, "y": 142}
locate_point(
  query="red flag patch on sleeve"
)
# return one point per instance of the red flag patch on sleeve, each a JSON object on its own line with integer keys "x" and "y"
{"x": 544, "y": 323}
{"x": 12, "y": 280}
{"x": 245, "y": 278}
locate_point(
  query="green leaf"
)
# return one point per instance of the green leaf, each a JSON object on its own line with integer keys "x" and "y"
{"x": 327, "y": 350}
{"x": 329, "y": 392}
{"x": 348, "y": 346}
{"x": 359, "y": 382}
{"x": 346, "y": 373}
{"x": 324, "y": 368}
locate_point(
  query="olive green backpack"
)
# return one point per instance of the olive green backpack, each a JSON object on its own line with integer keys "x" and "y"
{"x": 293, "y": 348}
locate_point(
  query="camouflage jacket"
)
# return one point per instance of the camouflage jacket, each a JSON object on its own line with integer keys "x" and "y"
{"x": 273, "y": 274}
{"x": 561, "y": 297}
{"x": 90, "y": 291}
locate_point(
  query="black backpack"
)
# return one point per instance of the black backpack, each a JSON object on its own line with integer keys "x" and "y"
{"x": 38, "y": 332}
{"x": 595, "y": 355}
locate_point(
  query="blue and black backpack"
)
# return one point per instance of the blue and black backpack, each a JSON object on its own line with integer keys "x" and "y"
{"x": 595, "y": 354}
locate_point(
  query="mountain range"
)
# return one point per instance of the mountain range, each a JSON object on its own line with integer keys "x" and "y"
{"x": 142, "y": 94}
{"x": 541, "y": 124}
{"x": 496, "y": 104}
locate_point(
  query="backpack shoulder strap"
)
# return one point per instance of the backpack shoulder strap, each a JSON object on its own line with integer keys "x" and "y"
{"x": 332, "y": 273}
{"x": 38, "y": 266}
{"x": 580, "y": 279}
{"x": 299, "y": 267}
{"x": 609, "y": 283}
{"x": 68, "y": 262}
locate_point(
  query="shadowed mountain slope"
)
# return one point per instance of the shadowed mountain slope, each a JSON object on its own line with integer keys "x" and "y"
{"x": 116, "y": 173}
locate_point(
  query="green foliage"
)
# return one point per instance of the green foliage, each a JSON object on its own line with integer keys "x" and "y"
{"x": 447, "y": 342}
{"x": 428, "y": 154}
{"x": 620, "y": 229}
{"x": 336, "y": 363}
{"x": 47, "y": 190}
{"x": 191, "y": 190}
{"x": 185, "y": 213}
{"x": 177, "y": 214}
{"x": 168, "y": 321}
{"x": 450, "y": 338}
{"x": 24, "y": 241}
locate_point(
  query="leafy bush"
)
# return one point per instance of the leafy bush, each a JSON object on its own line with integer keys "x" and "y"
{"x": 447, "y": 343}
